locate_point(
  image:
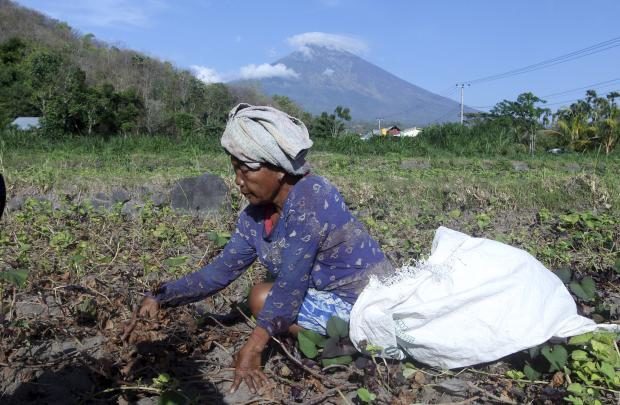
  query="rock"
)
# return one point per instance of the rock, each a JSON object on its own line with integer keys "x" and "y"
{"x": 160, "y": 199}
{"x": 36, "y": 309}
{"x": 101, "y": 196}
{"x": 131, "y": 210}
{"x": 120, "y": 196}
{"x": 16, "y": 203}
{"x": 572, "y": 167}
{"x": 99, "y": 204}
{"x": 415, "y": 164}
{"x": 520, "y": 166}
{"x": 454, "y": 386}
{"x": 204, "y": 195}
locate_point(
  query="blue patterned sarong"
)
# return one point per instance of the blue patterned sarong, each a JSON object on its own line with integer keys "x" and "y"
{"x": 318, "y": 307}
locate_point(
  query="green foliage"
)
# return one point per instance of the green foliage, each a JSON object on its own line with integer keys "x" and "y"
{"x": 334, "y": 349}
{"x": 16, "y": 277}
{"x": 337, "y": 328}
{"x": 515, "y": 374}
{"x": 331, "y": 125}
{"x": 308, "y": 345}
{"x": 219, "y": 238}
{"x": 590, "y": 361}
{"x": 594, "y": 363}
{"x": 564, "y": 275}
{"x": 591, "y": 123}
{"x": 556, "y": 355}
{"x": 585, "y": 289}
{"x": 366, "y": 396}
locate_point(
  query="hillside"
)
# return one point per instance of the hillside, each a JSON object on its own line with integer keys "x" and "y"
{"x": 85, "y": 86}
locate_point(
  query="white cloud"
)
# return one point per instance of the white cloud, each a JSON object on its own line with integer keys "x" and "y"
{"x": 205, "y": 74}
{"x": 302, "y": 42}
{"x": 100, "y": 13}
{"x": 266, "y": 70}
{"x": 328, "y": 72}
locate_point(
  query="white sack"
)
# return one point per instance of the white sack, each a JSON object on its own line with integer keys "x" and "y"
{"x": 474, "y": 300}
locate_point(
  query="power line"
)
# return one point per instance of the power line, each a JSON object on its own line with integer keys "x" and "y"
{"x": 592, "y": 86}
{"x": 590, "y": 50}
{"x": 569, "y": 101}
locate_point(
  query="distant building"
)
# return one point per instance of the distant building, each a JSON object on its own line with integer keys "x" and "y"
{"x": 26, "y": 123}
{"x": 411, "y": 132}
{"x": 393, "y": 131}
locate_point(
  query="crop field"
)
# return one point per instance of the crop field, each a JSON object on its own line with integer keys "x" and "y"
{"x": 71, "y": 274}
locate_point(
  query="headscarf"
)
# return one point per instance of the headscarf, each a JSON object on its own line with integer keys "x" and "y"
{"x": 261, "y": 134}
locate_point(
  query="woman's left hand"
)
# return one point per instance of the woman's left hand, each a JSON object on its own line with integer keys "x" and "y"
{"x": 248, "y": 362}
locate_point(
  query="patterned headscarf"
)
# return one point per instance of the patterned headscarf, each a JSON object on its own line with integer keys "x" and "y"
{"x": 260, "y": 134}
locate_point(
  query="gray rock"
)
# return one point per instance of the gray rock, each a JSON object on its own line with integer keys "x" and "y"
{"x": 160, "y": 199}
{"x": 454, "y": 386}
{"x": 101, "y": 196}
{"x": 520, "y": 166}
{"x": 36, "y": 309}
{"x": 205, "y": 194}
{"x": 120, "y": 196}
{"x": 16, "y": 203}
{"x": 131, "y": 209}
{"x": 415, "y": 164}
{"x": 101, "y": 204}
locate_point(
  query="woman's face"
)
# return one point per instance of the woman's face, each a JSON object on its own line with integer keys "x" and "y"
{"x": 259, "y": 186}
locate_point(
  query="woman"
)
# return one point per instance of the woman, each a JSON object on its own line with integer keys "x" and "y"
{"x": 296, "y": 224}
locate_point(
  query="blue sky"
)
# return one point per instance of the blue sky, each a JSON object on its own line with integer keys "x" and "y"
{"x": 432, "y": 44}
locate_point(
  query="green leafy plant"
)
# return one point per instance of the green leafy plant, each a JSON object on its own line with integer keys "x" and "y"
{"x": 591, "y": 363}
{"x": 366, "y": 396}
{"x": 584, "y": 289}
{"x": 16, "y": 277}
{"x": 336, "y": 348}
{"x": 219, "y": 238}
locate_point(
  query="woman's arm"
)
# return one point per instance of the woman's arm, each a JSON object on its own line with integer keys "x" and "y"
{"x": 238, "y": 254}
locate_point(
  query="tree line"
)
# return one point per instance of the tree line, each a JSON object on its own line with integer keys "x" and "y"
{"x": 591, "y": 123}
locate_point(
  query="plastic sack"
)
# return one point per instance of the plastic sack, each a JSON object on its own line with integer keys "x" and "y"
{"x": 472, "y": 301}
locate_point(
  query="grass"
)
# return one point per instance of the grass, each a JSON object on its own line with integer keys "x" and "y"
{"x": 443, "y": 187}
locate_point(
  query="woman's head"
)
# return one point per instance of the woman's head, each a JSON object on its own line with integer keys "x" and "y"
{"x": 258, "y": 135}
{"x": 265, "y": 184}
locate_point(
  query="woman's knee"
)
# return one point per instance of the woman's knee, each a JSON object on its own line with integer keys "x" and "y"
{"x": 258, "y": 295}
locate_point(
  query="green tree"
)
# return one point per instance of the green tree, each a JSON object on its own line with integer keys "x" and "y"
{"x": 287, "y": 105}
{"x": 16, "y": 97}
{"x": 331, "y": 125}
{"x": 525, "y": 116}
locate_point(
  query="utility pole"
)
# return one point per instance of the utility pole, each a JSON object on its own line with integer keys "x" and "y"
{"x": 462, "y": 91}
{"x": 379, "y": 119}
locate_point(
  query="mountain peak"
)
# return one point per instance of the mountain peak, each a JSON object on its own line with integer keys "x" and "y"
{"x": 328, "y": 77}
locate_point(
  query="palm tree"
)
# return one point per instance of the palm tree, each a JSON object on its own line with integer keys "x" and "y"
{"x": 573, "y": 124}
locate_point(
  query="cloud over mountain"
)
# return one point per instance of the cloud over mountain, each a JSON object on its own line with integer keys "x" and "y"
{"x": 304, "y": 42}
{"x": 205, "y": 74}
{"x": 266, "y": 71}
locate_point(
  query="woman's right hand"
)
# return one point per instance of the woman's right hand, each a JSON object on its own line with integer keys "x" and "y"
{"x": 148, "y": 308}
